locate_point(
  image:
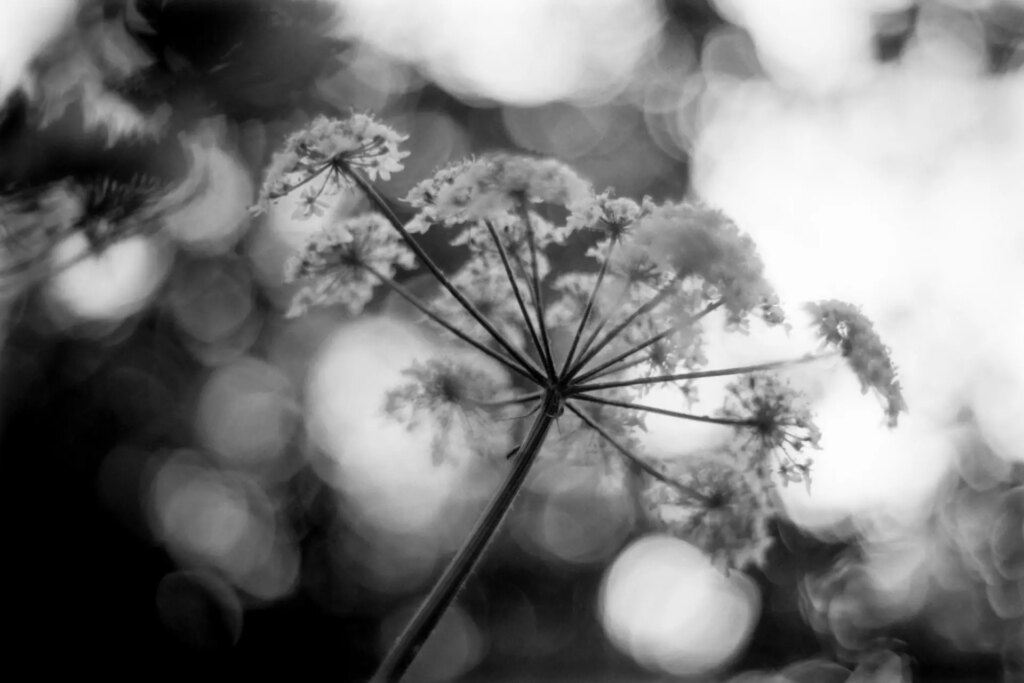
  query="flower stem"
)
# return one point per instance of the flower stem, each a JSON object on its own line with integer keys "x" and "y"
{"x": 404, "y": 650}
{"x": 503, "y": 254}
{"x": 682, "y": 377}
{"x": 425, "y": 310}
{"x": 634, "y": 459}
{"x": 538, "y": 301}
{"x": 587, "y": 311}
{"x": 375, "y": 197}
{"x": 732, "y": 422}
{"x": 599, "y": 370}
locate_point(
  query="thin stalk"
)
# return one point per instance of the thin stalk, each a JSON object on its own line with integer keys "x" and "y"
{"x": 636, "y": 460}
{"x": 515, "y": 291}
{"x": 382, "y": 205}
{"x": 731, "y": 422}
{"x": 700, "y": 374}
{"x": 309, "y": 178}
{"x": 514, "y": 400}
{"x": 596, "y": 372}
{"x": 425, "y": 310}
{"x": 596, "y": 332}
{"x": 609, "y": 336}
{"x": 587, "y": 310}
{"x": 538, "y": 302}
{"x": 398, "y": 659}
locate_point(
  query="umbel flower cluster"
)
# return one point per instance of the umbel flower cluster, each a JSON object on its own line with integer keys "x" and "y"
{"x": 579, "y": 346}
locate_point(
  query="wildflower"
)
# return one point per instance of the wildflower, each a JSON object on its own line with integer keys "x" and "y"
{"x": 492, "y": 186}
{"x": 452, "y": 394}
{"x": 843, "y": 326}
{"x": 715, "y": 507}
{"x": 322, "y": 147}
{"x": 344, "y": 262}
{"x": 692, "y": 240}
{"x": 605, "y": 212}
{"x": 777, "y": 422}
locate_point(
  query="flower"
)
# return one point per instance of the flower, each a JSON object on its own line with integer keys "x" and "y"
{"x": 452, "y": 394}
{"x": 715, "y": 506}
{"x": 323, "y": 148}
{"x": 309, "y": 205}
{"x": 777, "y": 422}
{"x": 493, "y": 186}
{"x": 843, "y": 326}
{"x": 690, "y": 240}
{"x": 612, "y": 215}
{"x": 341, "y": 261}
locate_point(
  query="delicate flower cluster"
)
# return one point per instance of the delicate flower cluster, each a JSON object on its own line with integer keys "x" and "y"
{"x": 320, "y": 149}
{"x": 491, "y": 187}
{"x": 453, "y": 395}
{"x": 345, "y": 262}
{"x": 843, "y": 326}
{"x": 715, "y": 506}
{"x": 605, "y": 212}
{"x": 692, "y": 240}
{"x": 775, "y": 421}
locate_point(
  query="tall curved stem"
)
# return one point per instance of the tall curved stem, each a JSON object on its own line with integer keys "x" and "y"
{"x": 398, "y": 659}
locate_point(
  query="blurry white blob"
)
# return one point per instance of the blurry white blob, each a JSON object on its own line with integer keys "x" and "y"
{"x": 247, "y": 413}
{"x": 579, "y": 519}
{"x": 665, "y": 605}
{"x": 383, "y": 467}
{"x": 28, "y": 26}
{"x": 215, "y": 194}
{"x": 870, "y": 197}
{"x": 524, "y": 52}
{"x": 808, "y": 43}
{"x": 209, "y": 518}
{"x": 110, "y": 285}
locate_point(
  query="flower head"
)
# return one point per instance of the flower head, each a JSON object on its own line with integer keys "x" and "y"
{"x": 692, "y": 240}
{"x": 342, "y": 263}
{"x": 843, "y": 326}
{"x": 322, "y": 147}
{"x": 775, "y": 421}
{"x": 715, "y": 507}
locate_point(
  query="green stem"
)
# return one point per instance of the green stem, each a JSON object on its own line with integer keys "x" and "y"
{"x": 538, "y": 302}
{"x": 404, "y": 650}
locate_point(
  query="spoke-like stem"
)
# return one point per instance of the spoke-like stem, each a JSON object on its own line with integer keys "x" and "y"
{"x": 598, "y": 371}
{"x": 382, "y": 205}
{"x": 425, "y": 310}
{"x": 731, "y": 422}
{"x": 447, "y": 586}
{"x": 610, "y": 336}
{"x": 538, "y": 301}
{"x": 514, "y": 400}
{"x": 515, "y": 291}
{"x": 308, "y": 179}
{"x": 587, "y": 310}
{"x": 700, "y": 374}
{"x": 639, "y": 462}
{"x": 596, "y": 332}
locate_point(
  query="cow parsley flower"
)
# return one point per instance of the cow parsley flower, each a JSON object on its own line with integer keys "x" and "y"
{"x": 605, "y": 212}
{"x": 342, "y": 263}
{"x": 494, "y": 185}
{"x": 692, "y": 240}
{"x": 778, "y": 423}
{"x": 716, "y": 508}
{"x": 322, "y": 147}
{"x": 843, "y": 326}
